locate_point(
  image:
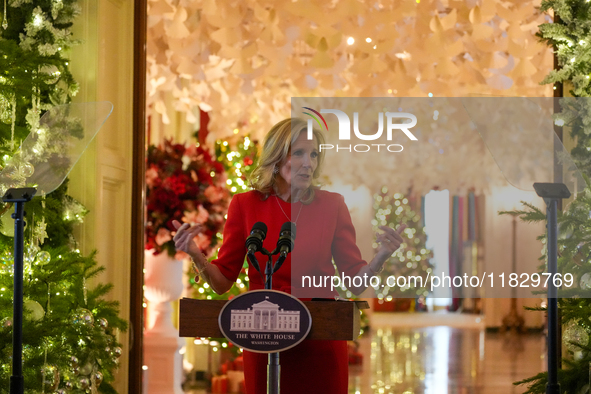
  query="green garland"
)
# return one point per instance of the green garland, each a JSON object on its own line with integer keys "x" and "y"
{"x": 571, "y": 38}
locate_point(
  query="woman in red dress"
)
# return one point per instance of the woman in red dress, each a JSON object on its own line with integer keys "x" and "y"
{"x": 284, "y": 190}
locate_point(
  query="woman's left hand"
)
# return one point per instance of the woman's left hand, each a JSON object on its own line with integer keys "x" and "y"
{"x": 390, "y": 240}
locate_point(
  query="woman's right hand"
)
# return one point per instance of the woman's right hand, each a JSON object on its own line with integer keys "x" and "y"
{"x": 183, "y": 239}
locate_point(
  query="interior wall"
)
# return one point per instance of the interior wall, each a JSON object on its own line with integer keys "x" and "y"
{"x": 101, "y": 180}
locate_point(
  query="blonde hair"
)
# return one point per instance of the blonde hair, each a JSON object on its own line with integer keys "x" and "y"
{"x": 276, "y": 148}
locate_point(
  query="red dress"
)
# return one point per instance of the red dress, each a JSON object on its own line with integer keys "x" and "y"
{"x": 324, "y": 232}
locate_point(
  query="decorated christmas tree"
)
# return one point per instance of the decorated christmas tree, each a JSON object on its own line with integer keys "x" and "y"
{"x": 412, "y": 259}
{"x": 238, "y": 162}
{"x": 570, "y": 36}
{"x": 574, "y": 257}
{"x": 70, "y": 329}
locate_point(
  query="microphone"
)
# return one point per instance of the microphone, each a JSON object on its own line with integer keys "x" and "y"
{"x": 254, "y": 242}
{"x": 286, "y": 238}
{"x": 285, "y": 243}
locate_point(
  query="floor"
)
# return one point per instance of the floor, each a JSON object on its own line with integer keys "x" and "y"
{"x": 410, "y": 355}
{"x": 445, "y": 360}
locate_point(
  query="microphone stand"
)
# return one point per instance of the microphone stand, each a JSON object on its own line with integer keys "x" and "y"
{"x": 273, "y": 366}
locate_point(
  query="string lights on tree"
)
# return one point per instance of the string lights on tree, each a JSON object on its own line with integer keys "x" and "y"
{"x": 238, "y": 162}
{"x": 412, "y": 259}
{"x": 70, "y": 329}
{"x": 570, "y": 36}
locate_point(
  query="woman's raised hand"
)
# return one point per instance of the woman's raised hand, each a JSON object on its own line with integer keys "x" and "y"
{"x": 390, "y": 240}
{"x": 183, "y": 239}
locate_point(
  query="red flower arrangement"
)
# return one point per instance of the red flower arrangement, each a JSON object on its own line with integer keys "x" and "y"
{"x": 183, "y": 183}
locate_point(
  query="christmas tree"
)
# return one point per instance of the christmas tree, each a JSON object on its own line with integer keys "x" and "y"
{"x": 70, "y": 330}
{"x": 238, "y": 162}
{"x": 570, "y": 36}
{"x": 574, "y": 257}
{"x": 412, "y": 259}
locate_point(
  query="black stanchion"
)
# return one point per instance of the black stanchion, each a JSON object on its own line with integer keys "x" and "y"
{"x": 86, "y": 120}
{"x": 551, "y": 193}
{"x": 553, "y": 387}
{"x": 19, "y": 197}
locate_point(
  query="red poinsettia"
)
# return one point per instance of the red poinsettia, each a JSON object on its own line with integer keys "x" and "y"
{"x": 183, "y": 183}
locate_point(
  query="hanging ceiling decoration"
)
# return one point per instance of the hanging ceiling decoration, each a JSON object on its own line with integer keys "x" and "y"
{"x": 246, "y": 59}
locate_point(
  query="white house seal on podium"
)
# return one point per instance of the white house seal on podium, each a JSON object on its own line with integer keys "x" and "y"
{"x": 265, "y": 321}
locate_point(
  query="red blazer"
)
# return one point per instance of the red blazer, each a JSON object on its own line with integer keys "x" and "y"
{"x": 324, "y": 231}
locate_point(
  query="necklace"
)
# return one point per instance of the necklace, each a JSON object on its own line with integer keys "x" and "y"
{"x": 280, "y": 207}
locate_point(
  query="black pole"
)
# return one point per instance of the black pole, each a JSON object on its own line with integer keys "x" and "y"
{"x": 553, "y": 387}
{"x": 17, "y": 382}
{"x": 18, "y": 197}
{"x": 269, "y": 274}
{"x": 273, "y": 373}
{"x": 552, "y": 193}
{"x": 273, "y": 367}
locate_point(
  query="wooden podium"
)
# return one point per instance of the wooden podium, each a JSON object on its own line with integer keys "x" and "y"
{"x": 331, "y": 320}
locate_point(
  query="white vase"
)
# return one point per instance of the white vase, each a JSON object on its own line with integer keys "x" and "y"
{"x": 162, "y": 285}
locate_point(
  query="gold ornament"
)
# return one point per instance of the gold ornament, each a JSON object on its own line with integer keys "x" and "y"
{"x": 34, "y": 310}
{"x": 5, "y": 21}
